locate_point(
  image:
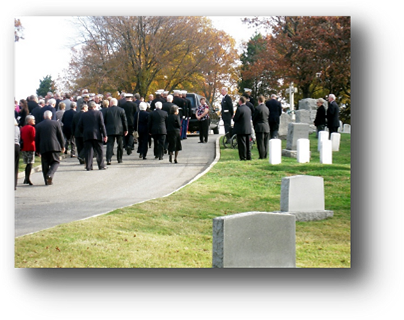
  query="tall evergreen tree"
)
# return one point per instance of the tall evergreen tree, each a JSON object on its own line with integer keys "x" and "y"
{"x": 45, "y": 85}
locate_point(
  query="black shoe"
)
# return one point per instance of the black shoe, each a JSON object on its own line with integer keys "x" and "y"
{"x": 170, "y": 158}
{"x": 128, "y": 151}
{"x": 161, "y": 158}
{"x": 140, "y": 155}
{"x": 108, "y": 163}
{"x": 119, "y": 161}
{"x": 48, "y": 181}
{"x": 30, "y": 183}
{"x": 175, "y": 161}
{"x": 144, "y": 158}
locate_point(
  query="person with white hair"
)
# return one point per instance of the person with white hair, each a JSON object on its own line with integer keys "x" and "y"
{"x": 49, "y": 142}
{"x": 332, "y": 115}
{"x": 140, "y": 125}
{"x": 157, "y": 124}
{"x": 50, "y": 106}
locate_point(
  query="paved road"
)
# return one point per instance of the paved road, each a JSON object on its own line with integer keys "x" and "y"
{"x": 77, "y": 194}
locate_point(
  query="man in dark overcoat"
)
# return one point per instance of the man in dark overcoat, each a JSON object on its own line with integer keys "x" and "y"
{"x": 332, "y": 115}
{"x": 91, "y": 125}
{"x": 275, "y": 111}
{"x": 49, "y": 142}
{"x": 158, "y": 129}
{"x": 261, "y": 127}
{"x": 116, "y": 125}
{"x": 242, "y": 127}
{"x": 130, "y": 109}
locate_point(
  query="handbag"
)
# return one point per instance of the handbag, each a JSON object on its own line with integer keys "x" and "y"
{"x": 136, "y": 133}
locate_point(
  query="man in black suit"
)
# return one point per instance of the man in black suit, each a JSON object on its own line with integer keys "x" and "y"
{"x": 227, "y": 112}
{"x": 116, "y": 125}
{"x": 187, "y": 113}
{"x": 242, "y": 127}
{"x": 250, "y": 97}
{"x": 332, "y": 115}
{"x": 157, "y": 99}
{"x": 37, "y": 112}
{"x": 67, "y": 120}
{"x": 130, "y": 109}
{"x": 49, "y": 142}
{"x": 91, "y": 125}
{"x": 261, "y": 127}
{"x": 157, "y": 124}
{"x": 275, "y": 111}
{"x": 32, "y": 103}
{"x": 78, "y": 135}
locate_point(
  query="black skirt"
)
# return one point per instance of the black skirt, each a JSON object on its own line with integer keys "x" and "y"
{"x": 174, "y": 140}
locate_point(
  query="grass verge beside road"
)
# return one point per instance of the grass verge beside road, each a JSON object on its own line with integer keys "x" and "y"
{"x": 176, "y": 231}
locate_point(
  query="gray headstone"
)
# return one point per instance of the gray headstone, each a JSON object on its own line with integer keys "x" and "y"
{"x": 308, "y": 104}
{"x": 303, "y": 196}
{"x": 254, "y": 240}
{"x": 296, "y": 131}
{"x": 285, "y": 119}
{"x": 303, "y": 116}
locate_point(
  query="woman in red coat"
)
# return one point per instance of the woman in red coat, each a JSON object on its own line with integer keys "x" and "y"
{"x": 28, "y": 146}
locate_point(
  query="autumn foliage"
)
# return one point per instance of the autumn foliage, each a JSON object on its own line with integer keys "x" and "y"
{"x": 312, "y": 52}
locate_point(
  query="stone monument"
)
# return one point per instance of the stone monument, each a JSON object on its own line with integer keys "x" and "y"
{"x": 295, "y": 131}
{"x": 254, "y": 240}
{"x": 303, "y": 197}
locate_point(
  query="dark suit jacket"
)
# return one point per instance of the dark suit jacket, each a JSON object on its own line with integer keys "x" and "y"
{"x": 49, "y": 136}
{"x": 320, "y": 116}
{"x": 37, "y": 113}
{"x": 260, "y": 118}
{"x": 153, "y": 103}
{"x": 333, "y": 115}
{"x": 158, "y": 122}
{"x": 143, "y": 122}
{"x": 130, "y": 110}
{"x": 178, "y": 101}
{"x": 115, "y": 121}
{"x": 167, "y": 106}
{"x": 242, "y": 120}
{"x": 275, "y": 110}
{"x": 67, "y": 120}
{"x": 75, "y": 124}
{"x": 92, "y": 126}
{"x": 32, "y": 105}
{"x": 48, "y": 107}
{"x": 173, "y": 123}
{"x": 187, "y": 108}
{"x": 227, "y": 107}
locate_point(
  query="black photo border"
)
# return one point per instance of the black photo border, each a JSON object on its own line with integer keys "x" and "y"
{"x": 375, "y": 205}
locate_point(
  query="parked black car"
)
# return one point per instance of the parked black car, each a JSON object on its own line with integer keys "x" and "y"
{"x": 193, "y": 122}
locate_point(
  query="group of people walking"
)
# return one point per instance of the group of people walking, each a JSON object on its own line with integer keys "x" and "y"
{"x": 45, "y": 131}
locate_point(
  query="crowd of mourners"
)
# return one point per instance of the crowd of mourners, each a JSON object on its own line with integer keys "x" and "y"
{"x": 82, "y": 125}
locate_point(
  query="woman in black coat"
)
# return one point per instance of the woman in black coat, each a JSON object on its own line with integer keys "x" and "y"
{"x": 140, "y": 125}
{"x": 320, "y": 120}
{"x": 174, "y": 133}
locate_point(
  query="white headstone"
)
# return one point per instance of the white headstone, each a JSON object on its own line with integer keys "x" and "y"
{"x": 340, "y": 128}
{"x": 303, "y": 150}
{"x": 326, "y": 152}
{"x": 335, "y": 140}
{"x": 347, "y": 128}
{"x": 275, "y": 151}
{"x": 322, "y": 135}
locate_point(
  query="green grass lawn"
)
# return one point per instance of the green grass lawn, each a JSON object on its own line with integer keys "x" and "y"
{"x": 176, "y": 231}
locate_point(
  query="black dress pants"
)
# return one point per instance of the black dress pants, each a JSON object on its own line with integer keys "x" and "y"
{"x": 244, "y": 150}
{"x": 203, "y": 130}
{"x": 159, "y": 141}
{"x": 262, "y": 144}
{"x": 90, "y": 146}
{"x": 50, "y": 162}
{"x": 110, "y": 147}
{"x": 274, "y": 130}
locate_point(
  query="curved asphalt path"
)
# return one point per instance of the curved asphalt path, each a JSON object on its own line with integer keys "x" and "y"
{"x": 78, "y": 194}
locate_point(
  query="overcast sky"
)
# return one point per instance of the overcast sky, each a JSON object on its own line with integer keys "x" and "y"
{"x": 45, "y": 49}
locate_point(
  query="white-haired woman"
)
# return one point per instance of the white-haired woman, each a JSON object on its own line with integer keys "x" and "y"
{"x": 140, "y": 125}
